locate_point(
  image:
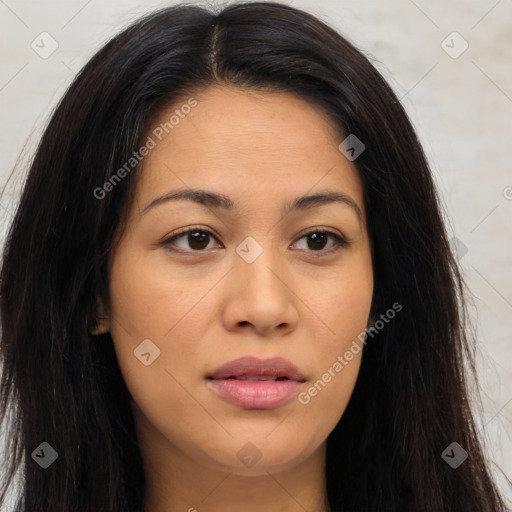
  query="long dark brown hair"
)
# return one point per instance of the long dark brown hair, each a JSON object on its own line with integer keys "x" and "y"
{"x": 63, "y": 386}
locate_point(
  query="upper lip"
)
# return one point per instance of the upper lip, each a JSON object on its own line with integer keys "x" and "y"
{"x": 255, "y": 367}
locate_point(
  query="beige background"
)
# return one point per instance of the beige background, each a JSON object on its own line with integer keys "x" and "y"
{"x": 461, "y": 107}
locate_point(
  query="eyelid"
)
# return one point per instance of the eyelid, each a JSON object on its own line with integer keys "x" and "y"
{"x": 321, "y": 229}
{"x": 341, "y": 240}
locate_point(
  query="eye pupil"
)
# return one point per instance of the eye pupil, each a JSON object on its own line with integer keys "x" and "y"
{"x": 318, "y": 240}
{"x": 198, "y": 237}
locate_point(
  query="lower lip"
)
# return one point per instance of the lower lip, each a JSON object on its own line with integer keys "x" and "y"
{"x": 262, "y": 394}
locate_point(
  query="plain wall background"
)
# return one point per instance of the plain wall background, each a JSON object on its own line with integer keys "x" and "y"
{"x": 461, "y": 105}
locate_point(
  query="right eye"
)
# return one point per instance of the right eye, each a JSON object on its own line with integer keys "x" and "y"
{"x": 196, "y": 237}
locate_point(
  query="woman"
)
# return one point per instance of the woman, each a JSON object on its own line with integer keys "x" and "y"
{"x": 228, "y": 285}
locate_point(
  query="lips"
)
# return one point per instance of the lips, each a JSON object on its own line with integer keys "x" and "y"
{"x": 254, "y": 369}
{"x": 253, "y": 383}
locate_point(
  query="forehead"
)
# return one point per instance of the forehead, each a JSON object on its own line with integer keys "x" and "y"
{"x": 246, "y": 144}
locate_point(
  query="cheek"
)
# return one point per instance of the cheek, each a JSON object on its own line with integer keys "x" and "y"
{"x": 149, "y": 313}
{"x": 327, "y": 395}
{"x": 152, "y": 299}
{"x": 140, "y": 297}
{"x": 163, "y": 317}
{"x": 337, "y": 360}
{"x": 344, "y": 303}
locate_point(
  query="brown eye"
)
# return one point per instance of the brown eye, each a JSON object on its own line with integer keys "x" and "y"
{"x": 317, "y": 240}
{"x": 198, "y": 240}
{"x": 195, "y": 240}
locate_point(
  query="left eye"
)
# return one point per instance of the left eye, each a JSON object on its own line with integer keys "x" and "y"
{"x": 198, "y": 240}
{"x": 318, "y": 238}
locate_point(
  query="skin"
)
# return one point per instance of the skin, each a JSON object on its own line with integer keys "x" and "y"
{"x": 205, "y": 308}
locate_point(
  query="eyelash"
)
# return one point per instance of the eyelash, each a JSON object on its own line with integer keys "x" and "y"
{"x": 340, "y": 241}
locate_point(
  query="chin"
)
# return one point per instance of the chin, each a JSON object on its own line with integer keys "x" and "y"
{"x": 252, "y": 456}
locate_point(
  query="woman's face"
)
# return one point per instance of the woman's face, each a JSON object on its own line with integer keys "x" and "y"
{"x": 255, "y": 279}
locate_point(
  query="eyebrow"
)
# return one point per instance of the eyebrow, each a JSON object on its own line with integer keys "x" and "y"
{"x": 220, "y": 201}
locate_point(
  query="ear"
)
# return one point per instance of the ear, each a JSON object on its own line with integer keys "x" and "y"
{"x": 102, "y": 323}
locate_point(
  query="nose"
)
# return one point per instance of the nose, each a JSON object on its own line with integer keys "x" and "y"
{"x": 260, "y": 296}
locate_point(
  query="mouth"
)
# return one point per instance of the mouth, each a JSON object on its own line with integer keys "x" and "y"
{"x": 252, "y": 368}
{"x": 252, "y": 378}
{"x": 253, "y": 383}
